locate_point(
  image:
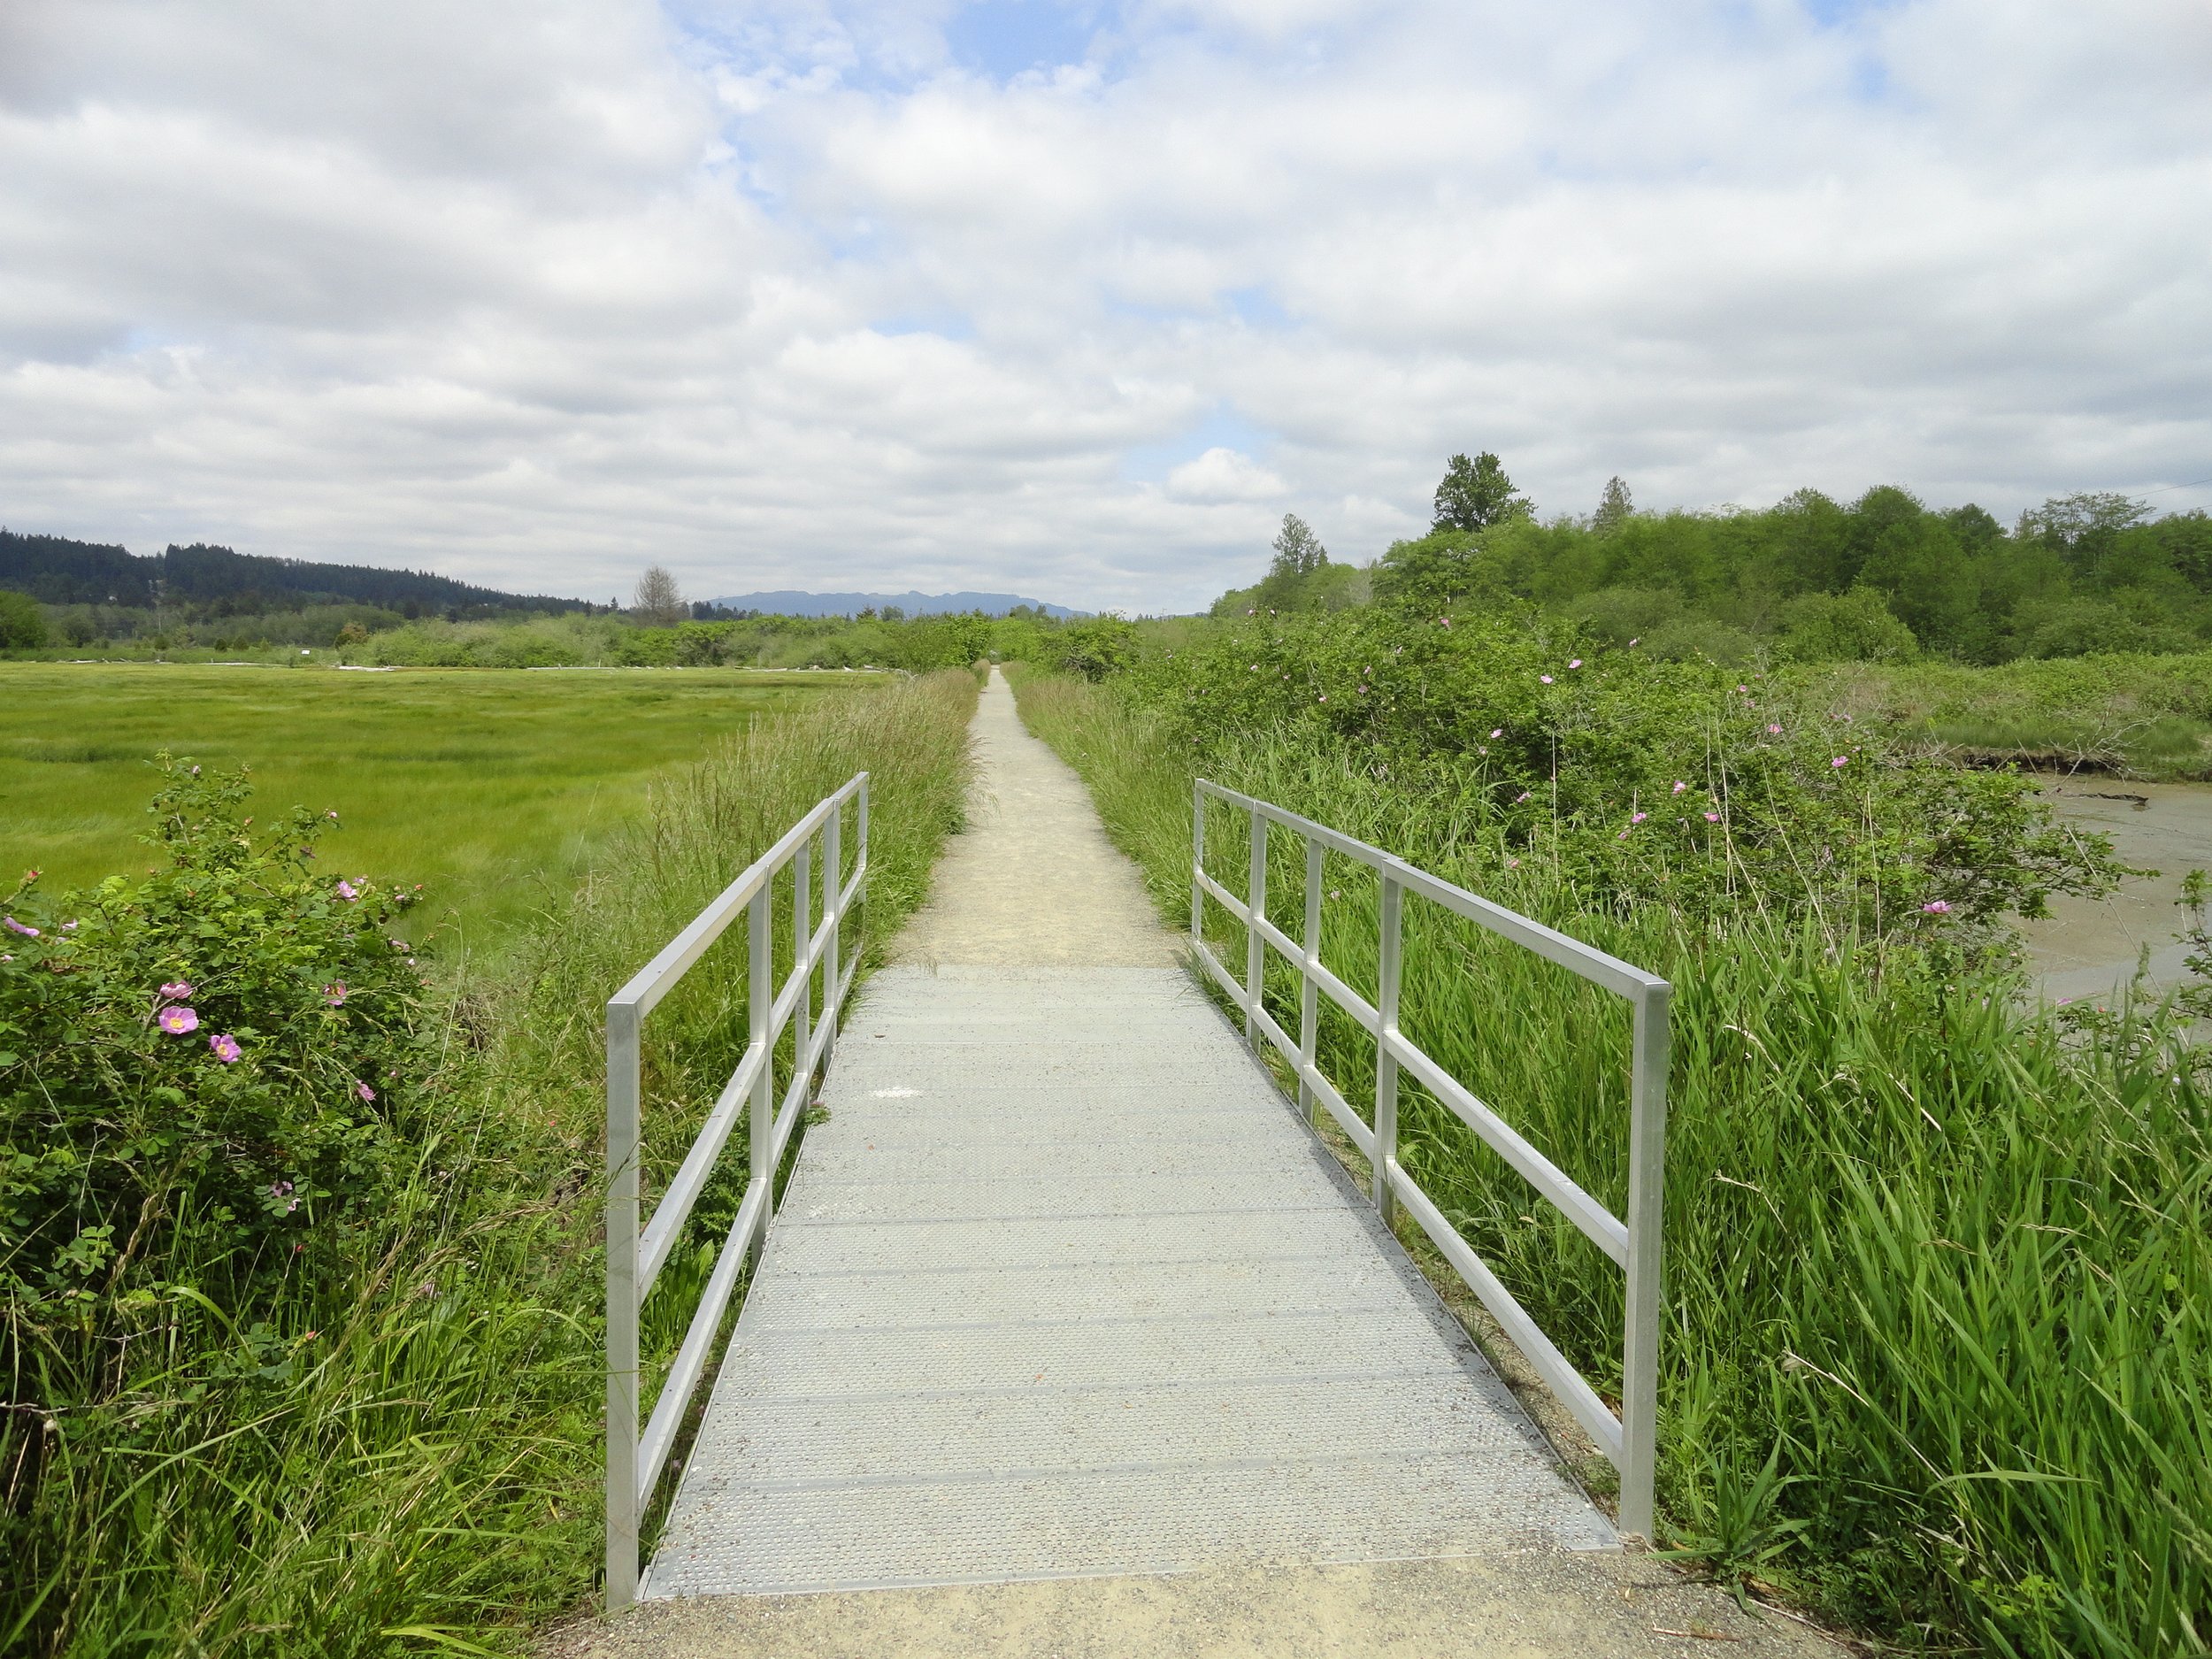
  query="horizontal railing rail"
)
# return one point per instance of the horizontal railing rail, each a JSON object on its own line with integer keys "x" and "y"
{"x": 1630, "y": 1440}
{"x": 634, "y": 1259}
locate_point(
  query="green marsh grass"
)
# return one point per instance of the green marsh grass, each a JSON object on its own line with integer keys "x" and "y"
{"x": 2140, "y": 716}
{"x": 1937, "y": 1361}
{"x": 493, "y": 787}
{"x": 410, "y": 1464}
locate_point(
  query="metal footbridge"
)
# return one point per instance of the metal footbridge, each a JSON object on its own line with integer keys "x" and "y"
{"x": 1061, "y": 1283}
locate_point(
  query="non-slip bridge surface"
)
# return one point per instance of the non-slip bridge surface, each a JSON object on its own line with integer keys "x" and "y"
{"x": 1063, "y": 1287}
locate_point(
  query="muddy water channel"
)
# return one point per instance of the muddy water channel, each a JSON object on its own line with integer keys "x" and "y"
{"x": 2085, "y": 949}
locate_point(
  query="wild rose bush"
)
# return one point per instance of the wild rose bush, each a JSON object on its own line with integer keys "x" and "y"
{"x": 199, "y": 1071}
{"x": 1712, "y": 791}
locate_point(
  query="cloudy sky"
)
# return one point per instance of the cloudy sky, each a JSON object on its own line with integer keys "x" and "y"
{"x": 1075, "y": 300}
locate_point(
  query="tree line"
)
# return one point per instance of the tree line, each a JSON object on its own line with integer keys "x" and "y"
{"x": 207, "y": 580}
{"x": 1881, "y": 577}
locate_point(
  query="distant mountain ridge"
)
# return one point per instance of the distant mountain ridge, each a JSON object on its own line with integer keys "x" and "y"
{"x": 61, "y": 571}
{"x": 790, "y": 603}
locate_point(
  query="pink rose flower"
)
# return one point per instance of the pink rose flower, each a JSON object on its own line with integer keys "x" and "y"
{"x": 225, "y": 1047}
{"x": 347, "y": 891}
{"x": 177, "y": 1019}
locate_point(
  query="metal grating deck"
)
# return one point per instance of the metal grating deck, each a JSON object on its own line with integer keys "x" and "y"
{"x": 1063, "y": 1287}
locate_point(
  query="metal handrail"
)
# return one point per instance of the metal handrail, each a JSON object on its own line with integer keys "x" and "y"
{"x": 1631, "y": 1440}
{"x": 634, "y": 1260}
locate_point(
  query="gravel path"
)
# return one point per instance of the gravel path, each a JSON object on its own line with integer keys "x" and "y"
{"x": 1034, "y": 881}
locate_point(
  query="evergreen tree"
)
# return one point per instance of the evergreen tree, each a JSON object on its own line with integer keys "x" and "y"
{"x": 1477, "y": 494}
{"x": 1298, "y": 552}
{"x": 1613, "y": 506}
{"x": 1299, "y": 557}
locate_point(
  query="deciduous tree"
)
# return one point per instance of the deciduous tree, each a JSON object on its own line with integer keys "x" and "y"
{"x": 658, "y": 603}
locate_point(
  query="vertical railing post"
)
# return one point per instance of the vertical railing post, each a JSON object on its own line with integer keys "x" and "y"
{"x": 1256, "y": 946}
{"x": 1647, "y": 1193}
{"x": 860, "y": 857}
{"x": 760, "y": 928}
{"x": 802, "y": 937}
{"x": 1197, "y": 860}
{"x": 622, "y": 1305}
{"x": 1308, "y": 992}
{"x": 832, "y": 888}
{"x": 1391, "y": 970}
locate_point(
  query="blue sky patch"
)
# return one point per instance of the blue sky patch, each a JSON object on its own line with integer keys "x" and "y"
{"x": 1258, "y": 306}
{"x": 946, "y": 325}
{"x": 1224, "y": 429}
{"x": 1005, "y": 38}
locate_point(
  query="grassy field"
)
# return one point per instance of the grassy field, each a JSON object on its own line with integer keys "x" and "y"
{"x": 489, "y": 786}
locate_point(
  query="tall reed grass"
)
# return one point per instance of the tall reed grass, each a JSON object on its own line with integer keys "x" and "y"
{"x": 409, "y": 1461}
{"x": 1936, "y": 1360}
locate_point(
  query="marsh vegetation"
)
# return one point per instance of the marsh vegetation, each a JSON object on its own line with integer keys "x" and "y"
{"x": 1934, "y": 1361}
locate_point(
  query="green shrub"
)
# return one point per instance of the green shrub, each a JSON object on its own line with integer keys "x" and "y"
{"x": 1096, "y": 647}
{"x": 1617, "y": 615}
{"x": 1702, "y": 640}
{"x": 215, "y": 1054}
{"x": 2087, "y": 627}
{"x": 22, "y": 623}
{"x": 1628, "y": 779}
{"x": 1854, "y": 627}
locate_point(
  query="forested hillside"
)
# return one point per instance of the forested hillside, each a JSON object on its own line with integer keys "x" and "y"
{"x": 215, "y": 582}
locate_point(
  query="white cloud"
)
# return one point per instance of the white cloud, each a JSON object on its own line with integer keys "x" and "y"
{"x": 786, "y": 293}
{"x": 1225, "y": 474}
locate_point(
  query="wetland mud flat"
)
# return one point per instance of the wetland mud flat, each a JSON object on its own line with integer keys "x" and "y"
{"x": 2090, "y": 948}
